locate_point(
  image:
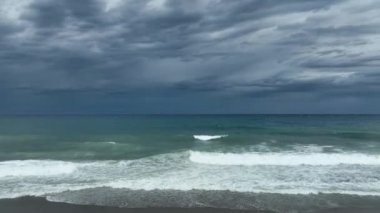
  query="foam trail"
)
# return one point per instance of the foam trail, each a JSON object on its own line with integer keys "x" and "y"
{"x": 208, "y": 137}
{"x": 283, "y": 159}
{"x": 35, "y": 168}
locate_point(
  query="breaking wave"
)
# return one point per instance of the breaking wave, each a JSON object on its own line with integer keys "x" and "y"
{"x": 284, "y": 173}
{"x": 208, "y": 137}
{"x": 283, "y": 159}
{"x": 35, "y": 168}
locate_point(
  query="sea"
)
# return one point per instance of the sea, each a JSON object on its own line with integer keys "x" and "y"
{"x": 281, "y": 163}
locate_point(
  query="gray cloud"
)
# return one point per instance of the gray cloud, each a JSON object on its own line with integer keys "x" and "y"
{"x": 181, "y": 56}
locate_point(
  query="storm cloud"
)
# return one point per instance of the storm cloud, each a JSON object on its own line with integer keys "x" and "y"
{"x": 199, "y": 56}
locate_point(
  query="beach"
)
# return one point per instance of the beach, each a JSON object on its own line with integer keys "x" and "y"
{"x": 41, "y": 205}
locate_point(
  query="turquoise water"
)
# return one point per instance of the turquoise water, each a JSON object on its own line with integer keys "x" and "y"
{"x": 88, "y": 159}
{"x": 131, "y": 137}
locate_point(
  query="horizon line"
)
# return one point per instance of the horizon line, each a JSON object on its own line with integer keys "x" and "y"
{"x": 172, "y": 114}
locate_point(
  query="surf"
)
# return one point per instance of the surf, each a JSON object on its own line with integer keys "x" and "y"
{"x": 187, "y": 170}
{"x": 283, "y": 159}
{"x": 21, "y": 168}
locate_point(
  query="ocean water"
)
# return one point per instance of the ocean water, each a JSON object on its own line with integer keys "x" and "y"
{"x": 283, "y": 163}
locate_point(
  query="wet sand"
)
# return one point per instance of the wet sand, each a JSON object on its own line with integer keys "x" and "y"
{"x": 41, "y": 205}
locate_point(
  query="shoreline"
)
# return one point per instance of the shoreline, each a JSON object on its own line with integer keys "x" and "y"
{"x": 31, "y": 204}
{"x": 41, "y": 205}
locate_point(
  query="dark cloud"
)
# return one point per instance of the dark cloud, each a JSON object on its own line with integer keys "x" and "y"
{"x": 347, "y": 62}
{"x": 53, "y": 14}
{"x": 152, "y": 56}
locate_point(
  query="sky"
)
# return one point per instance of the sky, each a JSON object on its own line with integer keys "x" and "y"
{"x": 198, "y": 56}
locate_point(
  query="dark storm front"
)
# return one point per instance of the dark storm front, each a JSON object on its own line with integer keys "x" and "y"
{"x": 249, "y": 155}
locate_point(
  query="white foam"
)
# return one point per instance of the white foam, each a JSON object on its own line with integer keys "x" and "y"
{"x": 101, "y": 142}
{"x": 111, "y": 142}
{"x": 35, "y": 168}
{"x": 283, "y": 159}
{"x": 310, "y": 173}
{"x": 208, "y": 137}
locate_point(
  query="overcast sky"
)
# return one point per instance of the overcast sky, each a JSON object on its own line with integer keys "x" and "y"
{"x": 206, "y": 56}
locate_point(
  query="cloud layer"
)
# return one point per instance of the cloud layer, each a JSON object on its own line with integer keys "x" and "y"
{"x": 201, "y": 56}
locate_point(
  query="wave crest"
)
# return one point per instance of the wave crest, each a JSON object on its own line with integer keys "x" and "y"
{"x": 208, "y": 137}
{"x": 35, "y": 168}
{"x": 283, "y": 159}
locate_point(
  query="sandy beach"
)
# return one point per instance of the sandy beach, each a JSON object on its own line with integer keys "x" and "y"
{"x": 41, "y": 205}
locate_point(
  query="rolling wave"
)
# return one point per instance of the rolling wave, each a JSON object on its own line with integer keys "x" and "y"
{"x": 345, "y": 173}
{"x": 22, "y": 168}
{"x": 208, "y": 137}
{"x": 283, "y": 159}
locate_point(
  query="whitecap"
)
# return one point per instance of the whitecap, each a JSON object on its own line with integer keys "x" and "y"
{"x": 111, "y": 142}
{"x": 208, "y": 137}
{"x": 283, "y": 159}
{"x": 35, "y": 168}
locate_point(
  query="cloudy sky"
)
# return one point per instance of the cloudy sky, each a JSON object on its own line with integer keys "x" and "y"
{"x": 196, "y": 56}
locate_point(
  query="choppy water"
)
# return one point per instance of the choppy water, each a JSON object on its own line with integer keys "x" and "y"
{"x": 251, "y": 155}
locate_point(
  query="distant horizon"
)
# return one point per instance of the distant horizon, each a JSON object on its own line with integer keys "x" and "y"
{"x": 206, "y": 114}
